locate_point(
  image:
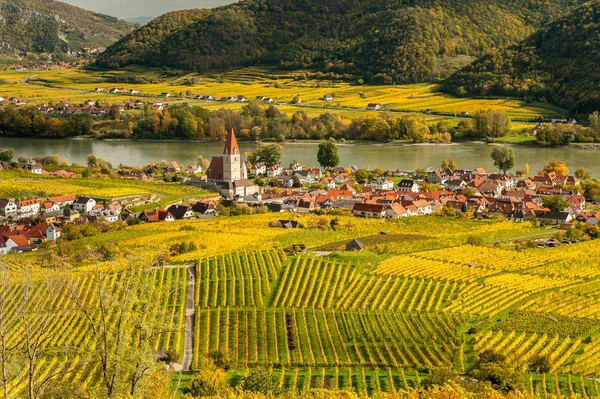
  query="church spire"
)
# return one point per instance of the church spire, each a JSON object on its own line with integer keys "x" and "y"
{"x": 231, "y": 146}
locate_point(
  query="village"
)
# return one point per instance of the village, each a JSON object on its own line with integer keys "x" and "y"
{"x": 546, "y": 198}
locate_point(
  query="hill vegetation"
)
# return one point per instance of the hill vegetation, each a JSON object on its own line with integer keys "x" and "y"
{"x": 51, "y": 26}
{"x": 379, "y": 41}
{"x": 559, "y": 63}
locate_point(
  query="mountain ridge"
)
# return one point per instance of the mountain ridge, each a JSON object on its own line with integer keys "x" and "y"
{"x": 55, "y": 27}
{"x": 558, "y": 63}
{"x": 383, "y": 41}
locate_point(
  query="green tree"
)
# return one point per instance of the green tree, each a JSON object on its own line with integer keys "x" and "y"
{"x": 495, "y": 369}
{"x": 7, "y": 155}
{"x": 504, "y": 158}
{"x": 452, "y": 164}
{"x": 582, "y": 174}
{"x": 555, "y": 203}
{"x": 260, "y": 380}
{"x": 269, "y": 154}
{"x": 328, "y": 154}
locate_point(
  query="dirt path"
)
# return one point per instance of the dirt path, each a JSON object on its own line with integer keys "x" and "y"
{"x": 190, "y": 310}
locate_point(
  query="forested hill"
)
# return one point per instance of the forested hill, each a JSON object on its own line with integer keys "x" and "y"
{"x": 559, "y": 63}
{"x": 394, "y": 40}
{"x": 53, "y": 26}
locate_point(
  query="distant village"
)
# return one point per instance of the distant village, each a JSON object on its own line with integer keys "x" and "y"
{"x": 295, "y": 189}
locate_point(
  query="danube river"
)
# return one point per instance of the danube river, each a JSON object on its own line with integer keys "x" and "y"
{"x": 391, "y": 157}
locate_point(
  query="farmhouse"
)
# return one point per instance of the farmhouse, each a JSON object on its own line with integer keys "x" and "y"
{"x": 369, "y": 211}
{"x": 373, "y": 106}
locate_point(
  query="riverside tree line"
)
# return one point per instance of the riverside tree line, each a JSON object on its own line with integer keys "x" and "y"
{"x": 254, "y": 121}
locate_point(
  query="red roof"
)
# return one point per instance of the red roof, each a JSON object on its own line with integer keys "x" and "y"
{"x": 231, "y": 145}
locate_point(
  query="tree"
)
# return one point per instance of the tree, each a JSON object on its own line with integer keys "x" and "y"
{"x": 452, "y": 164}
{"x": 362, "y": 174}
{"x": 260, "y": 380}
{"x": 555, "y": 203}
{"x": 494, "y": 368}
{"x": 444, "y": 164}
{"x": 204, "y": 163}
{"x": 328, "y": 155}
{"x": 7, "y": 155}
{"x": 123, "y": 322}
{"x": 269, "y": 154}
{"x": 504, "y": 158}
{"x": 558, "y": 167}
{"x": 540, "y": 364}
{"x": 582, "y": 174}
{"x": 210, "y": 381}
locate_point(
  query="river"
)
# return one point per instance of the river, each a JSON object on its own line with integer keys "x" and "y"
{"x": 391, "y": 157}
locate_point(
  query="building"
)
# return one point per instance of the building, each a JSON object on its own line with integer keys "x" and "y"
{"x": 369, "y": 211}
{"x": 8, "y": 207}
{"x": 84, "y": 204}
{"x": 228, "y": 172}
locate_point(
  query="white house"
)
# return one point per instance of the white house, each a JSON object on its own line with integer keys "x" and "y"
{"x": 381, "y": 184}
{"x": 36, "y": 168}
{"x": 8, "y": 207}
{"x": 84, "y": 204}
{"x": 408, "y": 185}
{"x": 53, "y": 233}
{"x": 258, "y": 169}
{"x": 274, "y": 171}
{"x": 29, "y": 208}
{"x": 373, "y": 107}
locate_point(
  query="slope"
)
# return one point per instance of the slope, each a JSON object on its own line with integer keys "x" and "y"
{"x": 53, "y": 26}
{"x": 384, "y": 41}
{"x": 559, "y": 63}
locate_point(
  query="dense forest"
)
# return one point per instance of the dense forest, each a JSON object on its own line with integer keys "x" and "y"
{"x": 559, "y": 64}
{"x": 51, "y": 26}
{"x": 378, "y": 41}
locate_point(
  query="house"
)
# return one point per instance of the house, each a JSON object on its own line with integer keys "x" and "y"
{"x": 109, "y": 216}
{"x": 369, "y": 211}
{"x": 181, "y": 211}
{"x": 134, "y": 91}
{"x": 274, "y": 171}
{"x": 373, "y": 107}
{"x": 381, "y": 184}
{"x": 193, "y": 169}
{"x": 17, "y": 243}
{"x": 241, "y": 99}
{"x": 35, "y": 168}
{"x": 408, "y": 185}
{"x": 284, "y": 181}
{"x": 174, "y": 167}
{"x": 98, "y": 90}
{"x": 258, "y": 169}
{"x": 63, "y": 200}
{"x": 164, "y": 95}
{"x": 53, "y": 233}
{"x": 268, "y": 100}
{"x": 156, "y": 215}
{"x": 49, "y": 206}
{"x": 84, "y": 204}
{"x": 328, "y": 97}
{"x": 328, "y": 182}
{"x": 355, "y": 245}
{"x": 555, "y": 218}
{"x": 204, "y": 208}
{"x": 306, "y": 206}
{"x": 8, "y": 207}
{"x": 395, "y": 211}
{"x": 28, "y": 208}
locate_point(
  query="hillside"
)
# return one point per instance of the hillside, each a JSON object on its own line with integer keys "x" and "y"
{"x": 53, "y": 26}
{"x": 559, "y": 64}
{"x": 383, "y": 41}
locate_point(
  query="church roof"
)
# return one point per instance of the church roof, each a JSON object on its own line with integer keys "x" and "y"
{"x": 231, "y": 146}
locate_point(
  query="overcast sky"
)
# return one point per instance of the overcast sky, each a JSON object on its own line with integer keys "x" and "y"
{"x": 143, "y": 8}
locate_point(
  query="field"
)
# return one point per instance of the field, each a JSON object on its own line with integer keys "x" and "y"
{"x": 350, "y": 100}
{"x": 419, "y": 297}
{"x": 137, "y": 195}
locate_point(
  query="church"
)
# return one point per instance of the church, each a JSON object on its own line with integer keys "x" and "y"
{"x": 229, "y": 172}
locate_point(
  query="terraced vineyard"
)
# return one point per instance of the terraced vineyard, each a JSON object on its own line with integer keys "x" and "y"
{"x": 365, "y": 321}
{"x": 328, "y": 323}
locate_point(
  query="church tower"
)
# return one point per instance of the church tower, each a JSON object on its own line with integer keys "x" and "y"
{"x": 231, "y": 159}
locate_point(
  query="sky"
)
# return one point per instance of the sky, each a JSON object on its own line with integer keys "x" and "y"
{"x": 143, "y": 8}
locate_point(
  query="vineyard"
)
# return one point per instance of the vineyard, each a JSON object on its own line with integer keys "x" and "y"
{"x": 374, "y": 321}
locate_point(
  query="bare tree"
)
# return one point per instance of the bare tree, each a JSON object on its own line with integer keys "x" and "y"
{"x": 41, "y": 305}
{"x": 124, "y": 320}
{"x": 8, "y": 326}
